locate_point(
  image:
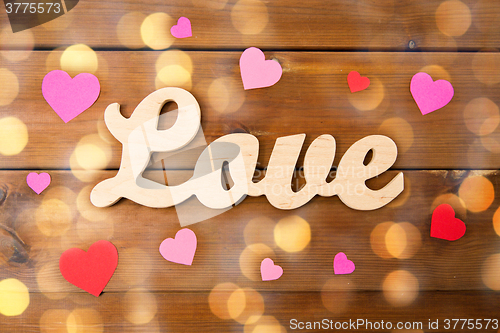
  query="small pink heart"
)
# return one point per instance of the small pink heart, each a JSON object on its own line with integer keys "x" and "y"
{"x": 182, "y": 29}
{"x": 341, "y": 265}
{"x": 430, "y": 95}
{"x": 38, "y": 182}
{"x": 256, "y": 71}
{"x": 181, "y": 249}
{"x": 70, "y": 97}
{"x": 269, "y": 271}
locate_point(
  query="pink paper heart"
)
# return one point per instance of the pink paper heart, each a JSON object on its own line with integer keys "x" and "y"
{"x": 70, "y": 97}
{"x": 38, "y": 182}
{"x": 256, "y": 71}
{"x": 342, "y": 265}
{"x": 181, "y": 249}
{"x": 269, "y": 271}
{"x": 430, "y": 95}
{"x": 182, "y": 29}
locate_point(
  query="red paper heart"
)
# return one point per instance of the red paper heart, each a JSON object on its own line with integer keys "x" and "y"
{"x": 445, "y": 225}
{"x": 357, "y": 82}
{"x": 90, "y": 270}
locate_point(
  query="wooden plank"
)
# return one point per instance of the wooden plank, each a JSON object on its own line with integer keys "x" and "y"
{"x": 283, "y": 25}
{"x": 37, "y": 229}
{"x": 190, "y": 312}
{"x": 312, "y": 97}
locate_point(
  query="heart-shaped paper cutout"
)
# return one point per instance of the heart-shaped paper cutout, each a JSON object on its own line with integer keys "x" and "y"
{"x": 180, "y": 250}
{"x": 342, "y": 265}
{"x": 269, "y": 271}
{"x": 429, "y": 95}
{"x": 38, "y": 182}
{"x": 256, "y": 71}
{"x": 70, "y": 97}
{"x": 357, "y": 82}
{"x": 91, "y": 270}
{"x": 182, "y": 29}
{"x": 445, "y": 225}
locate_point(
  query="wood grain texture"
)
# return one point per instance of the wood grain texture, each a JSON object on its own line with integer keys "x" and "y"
{"x": 285, "y": 25}
{"x": 225, "y": 252}
{"x": 190, "y": 312}
{"x": 312, "y": 97}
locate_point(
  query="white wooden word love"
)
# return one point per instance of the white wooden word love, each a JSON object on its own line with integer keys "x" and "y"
{"x": 140, "y": 137}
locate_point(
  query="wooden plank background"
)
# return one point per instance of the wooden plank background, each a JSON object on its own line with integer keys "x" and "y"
{"x": 448, "y": 156}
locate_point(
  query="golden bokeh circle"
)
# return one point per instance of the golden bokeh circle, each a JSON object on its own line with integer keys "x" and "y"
{"x": 225, "y": 95}
{"x": 174, "y": 57}
{"x": 398, "y": 130}
{"x": 13, "y": 135}
{"x": 128, "y": 30}
{"x": 403, "y": 240}
{"x": 249, "y": 308}
{"x": 218, "y": 299}
{"x": 85, "y": 320}
{"x": 155, "y": 31}
{"x": 436, "y": 72}
{"x": 453, "y": 18}
{"x": 265, "y": 324}
{"x": 491, "y": 271}
{"x": 139, "y": 306}
{"x": 9, "y": 92}
{"x": 87, "y": 209}
{"x": 496, "y": 221}
{"x": 249, "y": 17}
{"x": 260, "y": 230}
{"x": 400, "y": 288}
{"x": 14, "y": 297}
{"x": 377, "y": 239}
{"x": 173, "y": 76}
{"x": 54, "y": 321}
{"x": 370, "y": 98}
{"x": 292, "y": 233}
{"x": 481, "y": 116}
{"x": 477, "y": 192}
{"x": 79, "y": 58}
{"x": 53, "y": 217}
{"x": 486, "y": 66}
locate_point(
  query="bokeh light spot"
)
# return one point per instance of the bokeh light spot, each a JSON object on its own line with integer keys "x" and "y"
{"x": 78, "y": 59}
{"x": 173, "y": 76}
{"x": 368, "y": 99}
{"x": 400, "y": 288}
{"x": 251, "y": 310}
{"x": 84, "y": 320}
{"x": 481, "y": 116}
{"x": 155, "y": 31}
{"x": 249, "y": 17}
{"x": 53, "y": 217}
{"x": 14, "y": 297}
{"x": 260, "y": 230}
{"x": 491, "y": 272}
{"x": 486, "y": 66}
{"x": 292, "y": 233}
{"x": 218, "y": 299}
{"x": 139, "y": 306}
{"x": 54, "y": 321}
{"x": 9, "y": 92}
{"x": 400, "y": 131}
{"x": 13, "y": 135}
{"x": 225, "y": 95}
{"x": 453, "y": 18}
{"x": 477, "y": 192}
